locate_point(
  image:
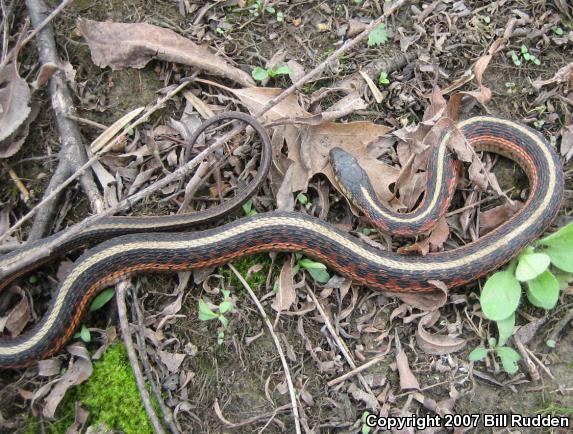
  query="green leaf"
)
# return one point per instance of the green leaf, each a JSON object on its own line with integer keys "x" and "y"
{"x": 302, "y": 198}
{"x": 311, "y": 265}
{"x": 509, "y": 358}
{"x": 505, "y": 328}
{"x": 478, "y": 354}
{"x": 220, "y": 337}
{"x": 563, "y": 279}
{"x": 205, "y": 312}
{"x": 282, "y": 70}
{"x": 562, "y": 236}
{"x": 280, "y": 16}
{"x": 259, "y": 73}
{"x": 33, "y": 279}
{"x": 319, "y": 275}
{"x": 536, "y": 61}
{"x": 524, "y": 49}
{"x": 378, "y": 36}
{"x": 531, "y": 265}
{"x": 271, "y": 10}
{"x": 550, "y": 343}
{"x": 492, "y": 342}
{"x": 365, "y": 429}
{"x": 85, "y": 334}
{"x": 101, "y": 299}
{"x": 225, "y": 306}
{"x": 224, "y": 321}
{"x": 561, "y": 256}
{"x": 558, "y": 31}
{"x": 500, "y": 295}
{"x": 543, "y": 291}
{"x": 527, "y": 56}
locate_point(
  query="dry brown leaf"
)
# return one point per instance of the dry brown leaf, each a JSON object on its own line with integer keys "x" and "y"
{"x": 567, "y": 142}
{"x": 436, "y": 344}
{"x": 310, "y": 144}
{"x": 80, "y": 370}
{"x": 311, "y": 155}
{"x": 360, "y": 395}
{"x": 18, "y": 316}
{"x": 492, "y": 218}
{"x": 133, "y": 45}
{"x": 408, "y": 380}
{"x": 171, "y": 360}
{"x": 45, "y": 73}
{"x": 286, "y": 295}
{"x": 256, "y": 97}
{"x": 565, "y": 74}
{"x": 49, "y": 368}
{"x": 14, "y": 108}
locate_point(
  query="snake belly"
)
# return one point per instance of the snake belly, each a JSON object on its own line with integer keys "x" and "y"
{"x": 106, "y": 263}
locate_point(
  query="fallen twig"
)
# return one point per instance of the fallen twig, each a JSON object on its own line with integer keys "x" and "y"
{"x": 133, "y": 360}
{"x": 277, "y": 344}
{"x": 141, "y": 346}
{"x": 72, "y": 153}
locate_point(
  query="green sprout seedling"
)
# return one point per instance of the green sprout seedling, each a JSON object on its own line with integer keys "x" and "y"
{"x": 248, "y": 208}
{"x": 383, "y": 79}
{"x": 98, "y": 302}
{"x": 208, "y": 314}
{"x": 261, "y": 74}
{"x": 508, "y": 356}
{"x": 316, "y": 270}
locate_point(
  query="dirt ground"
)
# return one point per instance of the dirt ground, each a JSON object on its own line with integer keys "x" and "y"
{"x": 244, "y": 374}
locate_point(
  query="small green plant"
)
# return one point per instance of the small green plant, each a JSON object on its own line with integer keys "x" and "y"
{"x": 207, "y": 314}
{"x": 261, "y": 74}
{"x": 557, "y": 30}
{"x": 316, "y": 270}
{"x": 383, "y": 79}
{"x": 365, "y": 429}
{"x": 524, "y": 56}
{"x": 508, "y": 356}
{"x": 98, "y": 302}
{"x": 501, "y": 293}
{"x": 510, "y": 86}
{"x": 378, "y": 36}
{"x": 248, "y": 208}
{"x": 303, "y": 200}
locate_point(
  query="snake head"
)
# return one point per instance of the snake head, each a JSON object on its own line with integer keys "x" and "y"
{"x": 346, "y": 169}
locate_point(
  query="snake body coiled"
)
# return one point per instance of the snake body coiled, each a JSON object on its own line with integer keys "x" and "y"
{"x": 106, "y": 263}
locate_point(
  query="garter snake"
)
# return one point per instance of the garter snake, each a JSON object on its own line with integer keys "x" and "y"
{"x": 117, "y": 257}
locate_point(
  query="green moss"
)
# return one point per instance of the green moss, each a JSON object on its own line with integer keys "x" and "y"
{"x": 243, "y": 265}
{"x": 110, "y": 395}
{"x": 556, "y": 409}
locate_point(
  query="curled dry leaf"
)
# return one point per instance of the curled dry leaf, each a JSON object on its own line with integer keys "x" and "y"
{"x": 80, "y": 370}
{"x": 436, "y": 344}
{"x": 565, "y": 74}
{"x": 14, "y": 108}
{"x": 133, "y": 45}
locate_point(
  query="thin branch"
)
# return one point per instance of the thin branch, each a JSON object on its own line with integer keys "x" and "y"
{"x": 133, "y": 360}
{"x": 277, "y": 344}
{"x": 72, "y": 153}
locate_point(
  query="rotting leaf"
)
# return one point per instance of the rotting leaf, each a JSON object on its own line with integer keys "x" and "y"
{"x": 14, "y": 108}
{"x": 18, "y": 316}
{"x": 492, "y": 218}
{"x": 133, "y": 45}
